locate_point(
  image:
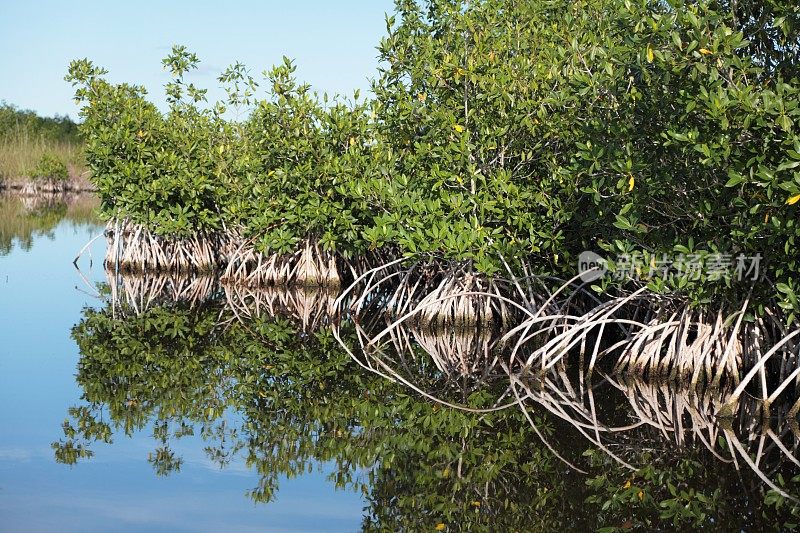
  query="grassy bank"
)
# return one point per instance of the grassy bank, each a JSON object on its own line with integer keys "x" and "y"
{"x": 40, "y": 149}
{"x": 21, "y": 154}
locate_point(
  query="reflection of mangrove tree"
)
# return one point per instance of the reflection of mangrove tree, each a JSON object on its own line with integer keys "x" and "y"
{"x": 23, "y": 219}
{"x": 301, "y": 405}
{"x": 285, "y": 399}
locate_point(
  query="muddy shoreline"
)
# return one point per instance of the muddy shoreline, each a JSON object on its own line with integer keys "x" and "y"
{"x": 31, "y": 187}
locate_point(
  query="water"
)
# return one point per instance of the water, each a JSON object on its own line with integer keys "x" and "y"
{"x": 157, "y": 403}
{"x": 41, "y": 298}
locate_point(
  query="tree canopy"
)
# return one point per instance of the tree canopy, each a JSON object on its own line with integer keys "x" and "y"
{"x": 497, "y": 131}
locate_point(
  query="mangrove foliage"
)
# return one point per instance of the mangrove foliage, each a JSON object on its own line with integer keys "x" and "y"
{"x": 498, "y": 134}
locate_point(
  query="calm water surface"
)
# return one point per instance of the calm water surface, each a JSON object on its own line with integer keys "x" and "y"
{"x": 41, "y": 298}
{"x": 193, "y": 405}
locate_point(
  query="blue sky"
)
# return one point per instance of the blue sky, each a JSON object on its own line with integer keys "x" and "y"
{"x": 333, "y": 43}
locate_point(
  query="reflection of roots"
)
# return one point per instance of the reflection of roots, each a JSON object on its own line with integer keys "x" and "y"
{"x": 655, "y": 338}
{"x": 467, "y": 323}
{"x": 140, "y": 293}
{"x": 32, "y": 204}
{"x": 454, "y": 351}
{"x": 677, "y": 368}
{"x": 76, "y": 206}
{"x": 452, "y": 317}
{"x": 311, "y": 307}
{"x": 676, "y": 413}
{"x": 463, "y": 351}
{"x": 660, "y": 413}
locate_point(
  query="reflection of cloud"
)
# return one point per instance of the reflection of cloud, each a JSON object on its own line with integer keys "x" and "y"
{"x": 193, "y": 454}
{"x": 16, "y": 454}
{"x": 190, "y": 510}
{"x": 117, "y": 490}
{"x": 73, "y": 513}
{"x": 236, "y": 466}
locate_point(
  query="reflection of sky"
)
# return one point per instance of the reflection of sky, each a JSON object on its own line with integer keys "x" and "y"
{"x": 117, "y": 489}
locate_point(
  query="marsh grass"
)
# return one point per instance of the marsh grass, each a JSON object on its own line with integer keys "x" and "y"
{"x": 21, "y": 151}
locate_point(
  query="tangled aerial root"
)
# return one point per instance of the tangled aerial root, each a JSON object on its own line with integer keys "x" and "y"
{"x": 132, "y": 248}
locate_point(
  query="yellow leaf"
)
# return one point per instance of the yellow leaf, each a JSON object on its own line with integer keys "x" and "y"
{"x": 766, "y": 218}
{"x": 352, "y": 141}
{"x": 476, "y": 503}
{"x": 706, "y": 51}
{"x": 793, "y": 199}
{"x": 439, "y": 527}
{"x": 221, "y": 148}
{"x": 627, "y": 484}
{"x": 631, "y": 183}
{"x": 461, "y": 71}
{"x": 458, "y": 127}
{"x": 421, "y": 97}
{"x": 649, "y": 53}
{"x": 640, "y": 495}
